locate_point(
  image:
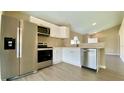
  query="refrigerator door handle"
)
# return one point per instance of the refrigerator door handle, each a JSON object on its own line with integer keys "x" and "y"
{"x": 17, "y": 43}
{"x": 20, "y": 42}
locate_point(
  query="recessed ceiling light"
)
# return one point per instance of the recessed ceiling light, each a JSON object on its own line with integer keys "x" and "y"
{"x": 93, "y": 24}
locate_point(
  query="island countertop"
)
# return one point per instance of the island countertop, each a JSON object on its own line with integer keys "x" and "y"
{"x": 92, "y": 45}
{"x": 73, "y": 54}
{"x": 86, "y": 45}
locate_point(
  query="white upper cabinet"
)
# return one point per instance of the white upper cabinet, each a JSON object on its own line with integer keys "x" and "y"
{"x": 55, "y": 31}
{"x": 64, "y": 32}
{"x": 60, "y": 32}
{"x": 39, "y": 22}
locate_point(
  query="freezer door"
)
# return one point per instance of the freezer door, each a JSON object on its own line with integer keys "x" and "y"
{"x": 28, "y": 47}
{"x": 89, "y": 58}
{"x": 9, "y": 60}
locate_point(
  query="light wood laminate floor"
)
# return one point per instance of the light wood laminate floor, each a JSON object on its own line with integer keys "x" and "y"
{"x": 68, "y": 72}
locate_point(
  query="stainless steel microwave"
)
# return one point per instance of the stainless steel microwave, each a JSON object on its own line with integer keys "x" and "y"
{"x": 43, "y": 31}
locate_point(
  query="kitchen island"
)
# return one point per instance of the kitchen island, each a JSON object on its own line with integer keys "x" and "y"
{"x": 99, "y": 48}
{"x": 74, "y": 55}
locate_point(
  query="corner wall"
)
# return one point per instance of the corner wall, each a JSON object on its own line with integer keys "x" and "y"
{"x": 121, "y": 33}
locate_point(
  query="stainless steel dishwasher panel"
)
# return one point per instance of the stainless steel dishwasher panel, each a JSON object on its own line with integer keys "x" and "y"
{"x": 89, "y": 58}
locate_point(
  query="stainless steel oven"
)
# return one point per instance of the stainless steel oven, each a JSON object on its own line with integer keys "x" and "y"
{"x": 45, "y": 56}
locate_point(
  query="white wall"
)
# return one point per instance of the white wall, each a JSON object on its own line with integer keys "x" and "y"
{"x": 121, "y": 33}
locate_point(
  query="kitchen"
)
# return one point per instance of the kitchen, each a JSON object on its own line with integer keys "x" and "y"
{"x": 43, "y": 45}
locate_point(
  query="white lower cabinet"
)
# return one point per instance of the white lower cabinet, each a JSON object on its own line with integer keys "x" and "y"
{"x": 72, "y": 56}
{"x": 67, "y": 55}
{"x": 57, "y": 55}
{"x": 91, "y": 58}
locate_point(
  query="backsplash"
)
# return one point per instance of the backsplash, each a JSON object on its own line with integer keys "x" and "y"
{"x": 57, "y": 42}
{"x": 51, "y": 42}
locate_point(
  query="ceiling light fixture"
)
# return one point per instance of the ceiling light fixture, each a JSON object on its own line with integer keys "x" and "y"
{"x": 93, "y": 24}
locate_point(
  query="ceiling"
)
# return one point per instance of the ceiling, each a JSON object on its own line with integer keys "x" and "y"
{"x": 81, "y": 21}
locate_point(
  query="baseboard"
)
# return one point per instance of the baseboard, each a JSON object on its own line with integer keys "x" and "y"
{"x": 56, "y": 62}
{"x": 114, "y": 54}
{"x": 103, "y": 67}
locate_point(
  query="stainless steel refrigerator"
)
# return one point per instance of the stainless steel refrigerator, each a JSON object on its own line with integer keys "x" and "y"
{"x": 18, "y": 47}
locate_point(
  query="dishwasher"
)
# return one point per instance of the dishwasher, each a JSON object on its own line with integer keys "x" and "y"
{"x": 89, "y": 58}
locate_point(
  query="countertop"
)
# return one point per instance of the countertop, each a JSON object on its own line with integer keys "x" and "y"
{"x": 86, "y": 45}
{"x": 92, "y": 45}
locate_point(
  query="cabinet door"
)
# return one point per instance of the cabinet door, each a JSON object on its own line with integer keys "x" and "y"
{"x": 64, "y": 32}
{"x": 66, "y": 55}
{"x": 72, "y": 56}
{"x": 59, "y": 32}
{"x": 57, "y": 55}
{"x": 28, "y": 47}
{"x": 54, "y": 31}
